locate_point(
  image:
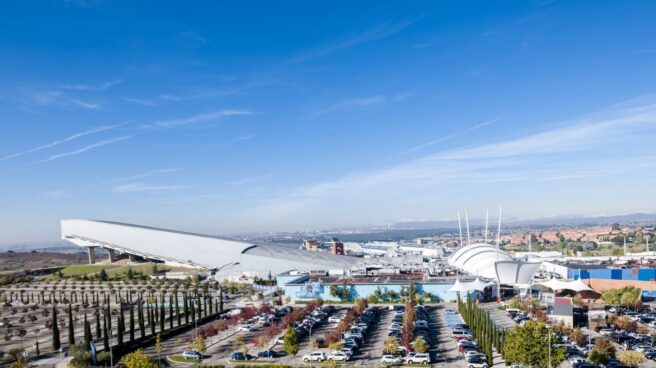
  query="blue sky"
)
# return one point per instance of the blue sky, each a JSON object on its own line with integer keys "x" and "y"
{"x": 227, "y": 117}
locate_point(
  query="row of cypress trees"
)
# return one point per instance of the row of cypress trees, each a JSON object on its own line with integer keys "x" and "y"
{"x": 486, "y": 332}
{"x": 195, "y": 306}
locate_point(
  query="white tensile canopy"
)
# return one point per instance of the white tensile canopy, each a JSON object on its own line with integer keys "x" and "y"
{"x": 476, "y": 285}
{"x": 575, "y": 285}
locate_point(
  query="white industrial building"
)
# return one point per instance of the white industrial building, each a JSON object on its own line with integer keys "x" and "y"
{"x": 225, "y": 256}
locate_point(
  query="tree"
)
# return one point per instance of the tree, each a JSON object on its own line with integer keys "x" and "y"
{"x": 158, "y": 349}
{"x": 391, "y": 345}
{"x": 598, "y": 357}
{"x": 71, "y": 326}
{"x": 81, "y": 356}
{"x": 131, "y": 323}
{"x": 528, "y": 345}
{"x": 290, "y": 342}
{"x": 103, "y": 275}
{"x": 87, "y": 333}
{"x": 336, "y": 346}
{"x": 56, "y": 343}
{"x": 200, "y": 344}
{"x": 631, "y": 358}
{"x": 138, "y": 359}
{"x": 420, "y": 345}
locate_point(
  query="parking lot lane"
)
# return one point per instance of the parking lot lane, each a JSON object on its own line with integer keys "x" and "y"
{"x": 446, "y": 350}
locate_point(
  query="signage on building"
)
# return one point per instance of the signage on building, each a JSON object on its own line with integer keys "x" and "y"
{"x": 311, "y": 290}
{"x": 597, "y": 314}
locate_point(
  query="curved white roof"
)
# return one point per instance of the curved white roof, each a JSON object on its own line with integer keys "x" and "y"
{"x": 484, "y": 260}
{"x": 478, "y": 259}
{"x": 198, "y": 250}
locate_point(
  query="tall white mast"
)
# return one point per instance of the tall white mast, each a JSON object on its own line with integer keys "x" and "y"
{"x": 467, "y": 223}
{"x": 499, "y": 233}
{"x": 647, "y": 242}
{"x": 530, "y": 237}
{"x": 487, "y": 215}
{"x": 625, "y": 245}
{"x": 460, "y": 228}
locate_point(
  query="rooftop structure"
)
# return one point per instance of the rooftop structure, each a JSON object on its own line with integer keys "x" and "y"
{"x": 195, "y": 250}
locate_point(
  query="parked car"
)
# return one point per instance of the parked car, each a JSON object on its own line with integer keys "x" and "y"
{"x": 192, "y": 354}
{"x": 339, "y": 356}
{"x": 334, "y": 319}
{"x": 477, "y": 362}
{"x": 238, "y": 355}
{"x": 391, "y": 359}
{"x": 576, "y": 359}
{"x": 315, "y": 356}
{"x": 418, "y": 358}
{"x": 267, "y": 354}
{"x": 246, "y": 328}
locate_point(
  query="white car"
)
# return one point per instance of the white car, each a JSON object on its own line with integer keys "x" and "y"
{"x": 191, "y": 354}
{"x": 315, "y": 356}
{"x": 472, "y": 353}
{"x": 334, "y": 319}
{"x": 576, "y": 359}
{"x": 608, "y": 331}
{"x": 391, "y": 359}
{"x": 419, "y": 358}
{"x": 450, "y": 311}
{"x": 339, "y": 356}
{"x": 246, "y": 328}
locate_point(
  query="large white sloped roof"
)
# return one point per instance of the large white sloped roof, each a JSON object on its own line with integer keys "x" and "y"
{"x": 199, "y": 250}
{"x": 485, "y": 260}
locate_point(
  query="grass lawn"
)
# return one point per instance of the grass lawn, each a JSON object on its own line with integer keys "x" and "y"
{"x": 180, "y": 359}
{"x": 81, "y": 269}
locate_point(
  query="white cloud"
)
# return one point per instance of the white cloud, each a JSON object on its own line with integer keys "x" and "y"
{"x": 139, "y": 101}
{"x": 143, "y": 187}
{"x": 85, "y": 149}
{"x": 200, "y": 118}
{"x": 92, "y": 88}
{"x": 573, "y": 150}
{"x": 375, "y": 33}
{"x": 65, "y": 140}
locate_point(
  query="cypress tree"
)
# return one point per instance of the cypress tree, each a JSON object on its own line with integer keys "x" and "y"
{"x": 220, "y": 299}
{"x": 177, "y": 308}
{"x": 121, "y": 330}
{"x": 87, "y": 333}
{"x": 36, "y": 348}
{"x": 170, "y": 313}
{"x": 56, "y": 344}
{"x": 105, "y": 334}
{"x": 209, "y": 301}
{"x": 152, "y": 321}
{"x": 71, "y": 327}
{"x": 162, "y": 315}
{"x": 131, "y": 323}
{"x": 98, "y": 331}
{"x": 185, "y": 306}
{"x": 142, "y": 327}
{"x": 193, "y": 310}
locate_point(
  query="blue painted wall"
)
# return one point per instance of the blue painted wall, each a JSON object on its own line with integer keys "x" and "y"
{"x": 302, "y": 292}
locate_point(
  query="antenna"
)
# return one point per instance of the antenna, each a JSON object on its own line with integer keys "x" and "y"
{"x": 467, "y": 223}
{"x": 499, "y": 233}
{"x": 625, "y": 245}
{"x": 530, "y": 237}
{"x": 647, "y": 242}
{"x": 487, "y": 215}
{"x": 460, "y": 228}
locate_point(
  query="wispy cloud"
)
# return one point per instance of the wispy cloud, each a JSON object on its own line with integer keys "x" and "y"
{"x": 140, "y": 101}
{"x": 143, "y": 187}
{"x": 377, "y": 32}
{"x": 572, "y": 150}
{"x": 57, "y": 98}
{"x": 447, "y": 137}
{"x": 199, "y": 118}
{"x": 65, "y": 140}
{"x": 85, "y": 149}
{"x": 146, "y": 174}
{"x": 92, "y": 88}
{"x": 247, "y": 181}
{"x": 360, "y": 103}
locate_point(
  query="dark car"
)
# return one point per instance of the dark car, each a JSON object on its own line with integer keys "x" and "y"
{"x": 238, "y": 355}
{"x": 268, "y": 354}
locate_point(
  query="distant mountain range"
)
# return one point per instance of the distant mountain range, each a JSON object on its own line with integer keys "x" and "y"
{"x": 632, "y": 218}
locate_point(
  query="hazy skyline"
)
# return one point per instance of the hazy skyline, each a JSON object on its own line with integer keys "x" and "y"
{"x": 235, "y": 117}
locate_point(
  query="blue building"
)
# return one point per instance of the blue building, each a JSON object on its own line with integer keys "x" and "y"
{"x": 301, "y": 288}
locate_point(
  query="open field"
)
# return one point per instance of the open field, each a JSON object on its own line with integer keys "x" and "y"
{"x": 20, "y": 261}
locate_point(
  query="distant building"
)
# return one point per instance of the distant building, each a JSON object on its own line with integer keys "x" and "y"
{"x": 337, "y": 247}
{"x": 312, "y": 245}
